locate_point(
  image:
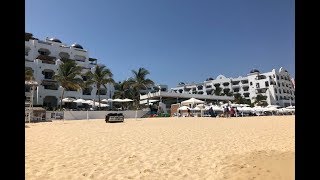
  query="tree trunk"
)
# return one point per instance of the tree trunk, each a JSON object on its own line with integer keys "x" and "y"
{"x": 61, "y": 99}
{"x": 61, "y": 102}
{"x": 99, "y": 96}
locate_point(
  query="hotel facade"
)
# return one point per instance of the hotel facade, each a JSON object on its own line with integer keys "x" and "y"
{"x": 44, "y": 58}
{"x": 276, "y": 85}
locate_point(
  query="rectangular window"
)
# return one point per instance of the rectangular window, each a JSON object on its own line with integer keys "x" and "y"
{"x": 251, "y": 83}
{"x": 267, "y": 84}
{"x": 257, "y": 85}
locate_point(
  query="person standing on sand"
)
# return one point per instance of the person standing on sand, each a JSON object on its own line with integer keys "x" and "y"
{"x": 226, "y": 111}
{"x": 189, "y": 112}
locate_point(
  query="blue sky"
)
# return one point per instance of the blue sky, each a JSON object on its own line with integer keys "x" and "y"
{"x": 176, "y": 40}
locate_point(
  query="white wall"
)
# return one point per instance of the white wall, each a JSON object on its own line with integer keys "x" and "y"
{"x": 77, "y": 115}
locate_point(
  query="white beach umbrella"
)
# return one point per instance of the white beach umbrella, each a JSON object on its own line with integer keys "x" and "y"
{"x": 216, "y": 108}
{"x": 103, "y": 105}
{"x": 79, "y": 100}
{"x": 290, "y": 107}
{"x": 87, "y": 101}
{"x": 196, "y": 109}
{"x": 276, "y": 106}
{"x": 68, "y": 99}
{"x": 94, "y": 104}
{"x": 271, "y": 108}
{"x": 183, "y": 108}
{"x": 117, "y": 100}
{"x": 127, "y": 100}
{"x": 258, "y": 109}
{"x": 192, "y": 101}
{"x": 245, "y": 109}
{"x": 201, "y": 106}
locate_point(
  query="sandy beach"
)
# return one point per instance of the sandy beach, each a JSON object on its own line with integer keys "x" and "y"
{"x": 162, "y": 148}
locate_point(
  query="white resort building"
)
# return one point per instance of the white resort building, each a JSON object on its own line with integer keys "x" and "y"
{"x": 44, "y": 58}
{"x": 277, "y": 86}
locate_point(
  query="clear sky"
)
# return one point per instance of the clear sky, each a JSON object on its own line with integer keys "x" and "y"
{"x": 176, "y": 40}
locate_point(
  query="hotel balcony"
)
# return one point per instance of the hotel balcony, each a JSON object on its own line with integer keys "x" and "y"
{"x": 66, "y": 59}
{"x": 235, "y": 83}
{"x": 245, "y": 88}
{"x": 259, "y": 77}
{"x": 261, "y": 90}
{"x": 225, "y": 84}
{"x": 236, "y": 86}
{"x": 209, "y": 91}
{"x": 93, "y": 61}
{"x": 50, "y": 84}
{"x": 272, "y": 82}
{"x": 47, "y": 59}
{"x": 208, "y": 87}
{"x": 28, "y": 60}
{"x": 244, "y": 82}
{"x": 235, "y": 90}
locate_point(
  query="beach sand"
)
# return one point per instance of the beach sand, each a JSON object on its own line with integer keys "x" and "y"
{"x": 162, "y": 148}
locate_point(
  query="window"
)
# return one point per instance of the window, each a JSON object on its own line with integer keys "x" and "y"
{"x": 274, "y": 76}
{"x": 257, "y": 85}
{"x": 48, "y": 75}
{"x": 86, "y": 91}
{"x": 279, "y": 91}
{"x": 251, "y": 83}
{"x": 280, "y": 97}
{"x": 267, "y": 84}
{"x": 27, "y": 88}
{"x": 277, "y": 98}
{"x": 51, "y": 86}
{"x": 275, "y": 90}
{"x": 79, "y": 58}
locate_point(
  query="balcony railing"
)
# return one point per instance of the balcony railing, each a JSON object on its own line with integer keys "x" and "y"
{"x": 47, "y": 59}
{"x": 43, "y": 42}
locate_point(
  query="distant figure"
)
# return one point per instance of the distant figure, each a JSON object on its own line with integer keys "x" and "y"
{"x": 226, "y": 111}
{"x": 189, "y": 112}
{"x": 211, "y": 112}
{"x": 232, "y": 112}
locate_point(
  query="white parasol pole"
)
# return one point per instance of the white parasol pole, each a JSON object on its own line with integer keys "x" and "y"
{"x": 87, "y": 114}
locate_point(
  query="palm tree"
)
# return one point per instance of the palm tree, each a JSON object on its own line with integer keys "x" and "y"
{"x": 218, "y": 90}
{"x": 122, "y": 90}
{"x": 227, "y": 92}
{"x": 238, "y": 99}
{"x": 100, "y": 77}
{"x": 260, "y": 100}
{"x": 139, "y": 81}
{"x": 68, "y": 77}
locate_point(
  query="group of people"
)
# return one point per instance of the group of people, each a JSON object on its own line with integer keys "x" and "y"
{"x": 229, "y": 111}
